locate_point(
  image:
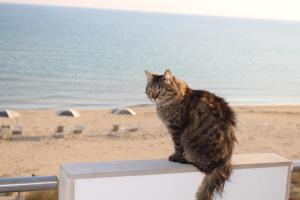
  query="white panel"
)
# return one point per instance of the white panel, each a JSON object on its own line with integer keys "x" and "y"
{"x": 246, "y": 184}
{"x": 257, "y": 184}
{"x": 177, "y": 186}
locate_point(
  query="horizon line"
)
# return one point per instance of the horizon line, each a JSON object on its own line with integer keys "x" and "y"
{"x": 149, "y": 11}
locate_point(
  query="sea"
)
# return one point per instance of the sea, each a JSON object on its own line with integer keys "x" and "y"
{"x": 63, "y": 57}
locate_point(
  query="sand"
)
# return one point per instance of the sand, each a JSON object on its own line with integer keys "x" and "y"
{"x": 260, "y": 129}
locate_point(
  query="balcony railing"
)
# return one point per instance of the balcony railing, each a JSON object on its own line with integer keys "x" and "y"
{"x": 296, "y": 166}
{"x": 23, "y": 184}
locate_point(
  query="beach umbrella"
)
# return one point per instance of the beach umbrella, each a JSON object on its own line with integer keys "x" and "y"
{"x": 123, "y": 111}
{"x": 9, "y": 114}
{"x": 68, "y": 113}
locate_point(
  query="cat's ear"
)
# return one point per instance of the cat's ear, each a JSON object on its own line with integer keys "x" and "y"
{"x": 149, "y": 75}
{"x": 168, "y": 75}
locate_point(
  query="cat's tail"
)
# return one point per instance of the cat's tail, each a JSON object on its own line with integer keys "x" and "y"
{"x": 214, "y": 182}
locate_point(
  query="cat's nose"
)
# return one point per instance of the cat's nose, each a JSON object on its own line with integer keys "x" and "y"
{"x": 155, "y": 95}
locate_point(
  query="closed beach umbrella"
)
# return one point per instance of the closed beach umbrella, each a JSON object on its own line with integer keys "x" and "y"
{"x": 9, "y": 114}
{"x": 123, "y": 111}
{"x": 68, "y": 113}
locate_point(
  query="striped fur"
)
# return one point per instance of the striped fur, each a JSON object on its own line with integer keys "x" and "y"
{"x": 202, "y": 128}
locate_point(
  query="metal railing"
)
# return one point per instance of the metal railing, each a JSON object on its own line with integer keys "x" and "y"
{"x": 296, "y": 166}
{"x": 36, "y": 183}
{"x": 32, "y": 183}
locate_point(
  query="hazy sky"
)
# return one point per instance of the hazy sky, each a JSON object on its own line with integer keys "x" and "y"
{"x": 267, "y": 9}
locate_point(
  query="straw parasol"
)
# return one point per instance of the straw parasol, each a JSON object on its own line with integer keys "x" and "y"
{"x": 68, "y": 113}
{"x": 123, "y": 111}
{"x": 9, "y": 114}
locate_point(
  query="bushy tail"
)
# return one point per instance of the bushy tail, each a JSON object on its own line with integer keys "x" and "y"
{"x": 214, "y": 182}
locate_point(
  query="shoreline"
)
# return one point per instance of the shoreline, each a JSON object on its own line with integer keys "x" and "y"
{"x": 145, "y": 105}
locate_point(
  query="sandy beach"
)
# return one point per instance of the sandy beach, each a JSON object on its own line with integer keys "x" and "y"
{"x": 260, "y": 129}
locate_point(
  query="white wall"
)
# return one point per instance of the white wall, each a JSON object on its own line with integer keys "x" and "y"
{"x": 245, "y": 184}
{"x": 248, "y": 182}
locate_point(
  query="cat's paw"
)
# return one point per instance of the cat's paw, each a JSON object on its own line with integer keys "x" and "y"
{"x": 173, "y": 158}
{"x": 178, "y": 158}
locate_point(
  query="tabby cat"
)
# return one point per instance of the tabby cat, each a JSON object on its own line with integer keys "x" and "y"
{"x": 202, "y": 128}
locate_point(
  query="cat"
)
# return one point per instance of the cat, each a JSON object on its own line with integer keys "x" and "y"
{"x": 202, "y": 128}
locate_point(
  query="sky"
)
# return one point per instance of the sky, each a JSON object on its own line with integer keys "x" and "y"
{"x": 262, "y": 9}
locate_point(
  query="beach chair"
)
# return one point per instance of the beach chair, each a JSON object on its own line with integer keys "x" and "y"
{"x": 59, "y": 132}
{"x": 16, "y": 132}
{"x": 5, "y": 132}
{"x": 78, "y": 129}
{"x": 117, "y": 131}
{"x": 60, "y": 129}
{"x": 133, "y": 128}
{"x": 114, "y": 132}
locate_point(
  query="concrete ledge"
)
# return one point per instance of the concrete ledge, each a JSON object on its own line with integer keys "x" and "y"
{"x": 255, "y": 175}
{"x": 143, "y": 167}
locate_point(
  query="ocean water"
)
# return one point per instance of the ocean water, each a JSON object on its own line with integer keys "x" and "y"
{"x": 53, "y": 57}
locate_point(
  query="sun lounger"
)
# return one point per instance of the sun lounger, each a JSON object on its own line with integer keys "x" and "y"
{"x": 16, "y": 131}
{"x": 60, "y": 129}
{"x": 4, "y": 132}
{"x": 78, "y": 129}
{"x": 59, "y": 132}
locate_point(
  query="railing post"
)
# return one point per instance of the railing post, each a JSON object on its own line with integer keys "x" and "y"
{"x": 20, "y": 197}
{"x": 296, "y": 166}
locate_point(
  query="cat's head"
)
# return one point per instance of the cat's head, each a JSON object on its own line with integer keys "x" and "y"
{"x": 165, "y": 87}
